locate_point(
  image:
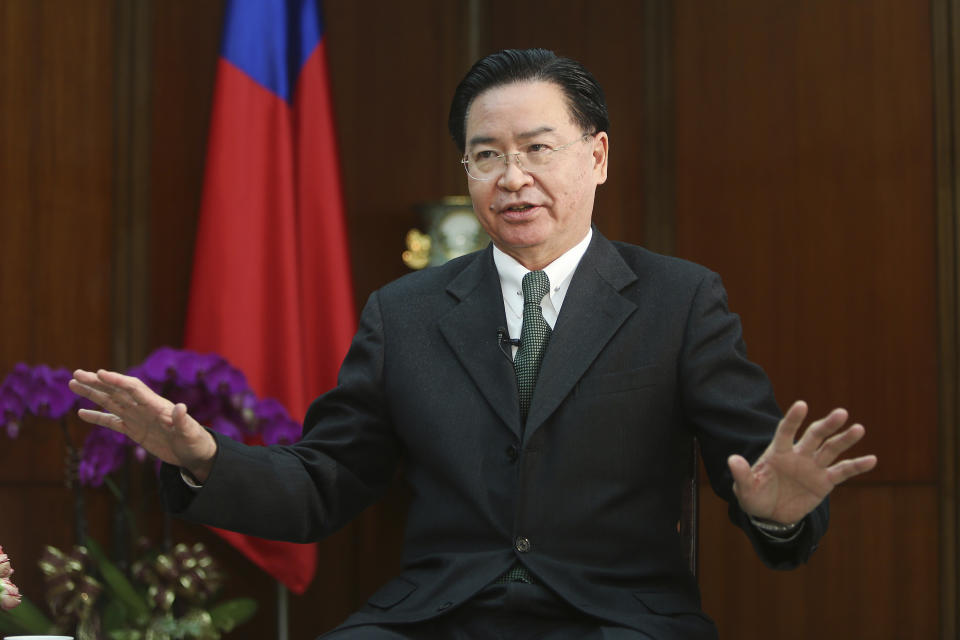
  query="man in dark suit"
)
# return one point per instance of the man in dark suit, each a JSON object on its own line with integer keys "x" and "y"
{"x": 546, "y": 475}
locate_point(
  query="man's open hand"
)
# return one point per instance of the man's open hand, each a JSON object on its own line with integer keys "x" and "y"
{"x": 162, "y": 428}
{"x": 791, "y": 478}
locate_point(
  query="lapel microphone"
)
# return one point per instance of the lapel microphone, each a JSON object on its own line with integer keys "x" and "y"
{"x": 503, "y": 339}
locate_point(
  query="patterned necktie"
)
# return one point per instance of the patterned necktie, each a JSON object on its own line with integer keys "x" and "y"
{"x": 534, "y": 335}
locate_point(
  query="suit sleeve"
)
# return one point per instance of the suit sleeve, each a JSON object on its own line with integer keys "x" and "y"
{"x": 730, "y": 403}
{"x": 345, "y": 460}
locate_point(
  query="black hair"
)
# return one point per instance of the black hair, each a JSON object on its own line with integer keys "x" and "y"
{"x": 584, "y": 96}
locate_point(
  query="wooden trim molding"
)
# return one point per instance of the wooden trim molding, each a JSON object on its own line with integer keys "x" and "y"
{"x": 945, "y": 21}
{"x": 131, "y": 222}
{"x": 658, "y": 144}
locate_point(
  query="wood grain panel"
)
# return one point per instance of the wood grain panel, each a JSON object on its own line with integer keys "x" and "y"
{"x": 56, "y": 190}
{"x": 55, "y": 177}
{"x": 186, "y": 46}
{"x": 393, "y": 68}
{"x": 805, "y": 177}
{"x": 874, "y": 576}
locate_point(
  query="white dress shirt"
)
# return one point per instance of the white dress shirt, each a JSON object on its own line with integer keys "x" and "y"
{"x": 560, "y": 272}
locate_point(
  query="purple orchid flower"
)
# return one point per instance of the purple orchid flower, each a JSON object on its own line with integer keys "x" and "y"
{"x": 224, "y": 379}
{"x": 227, "y": 427}
{"x": 20, "y": 379}
{"x": 13, "y": 391}
{"x": 49, "y": 396}
{"x": 194, "y": 367}
{"x": 103, "y": 452}
{"x": 276, "y": 425}
{"x": 160, "y": 367}
{"x": 11, "y": 409}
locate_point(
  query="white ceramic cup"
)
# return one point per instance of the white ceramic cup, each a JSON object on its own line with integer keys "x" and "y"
{"x": 38, "y": 638}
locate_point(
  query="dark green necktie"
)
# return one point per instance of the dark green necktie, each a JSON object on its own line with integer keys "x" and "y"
{"x": 534, "y": 335}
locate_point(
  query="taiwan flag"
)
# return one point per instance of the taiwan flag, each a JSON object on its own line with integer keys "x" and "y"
{"x": 271, "y": 288}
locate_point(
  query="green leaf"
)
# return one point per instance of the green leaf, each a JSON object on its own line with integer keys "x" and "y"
{"x": 114, "y": 615}
{"x": 8, "y": 624}
{"x": 118, "y": 583}
{"x": 229, "y": 614}
{"x": 125, "y": 634}
{"x": 26, "y": 617}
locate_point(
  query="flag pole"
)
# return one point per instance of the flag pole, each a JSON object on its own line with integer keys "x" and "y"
{"x": 283, "y": 612}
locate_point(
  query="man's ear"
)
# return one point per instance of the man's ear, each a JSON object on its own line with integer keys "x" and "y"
{"x": 601, "y": 153}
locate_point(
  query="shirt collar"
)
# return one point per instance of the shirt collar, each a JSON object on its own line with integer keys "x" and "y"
{"x": 560, "y": 272}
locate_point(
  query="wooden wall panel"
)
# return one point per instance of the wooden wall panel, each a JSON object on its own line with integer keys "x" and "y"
{"x": 55, "y": 180}
{"x": 805, "y": 177}
{"x": 870, "y": 578}
{"x": 393, "y": 68}
{"x": 186, "y": 47}
{"x": 56, "y": 190}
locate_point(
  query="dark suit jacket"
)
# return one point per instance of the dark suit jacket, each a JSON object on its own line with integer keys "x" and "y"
{"x": 644, "y": 357}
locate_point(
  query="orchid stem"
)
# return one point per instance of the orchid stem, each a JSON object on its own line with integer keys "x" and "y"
{"x": 79, "y": 509}
{"x": 122, "y": 505}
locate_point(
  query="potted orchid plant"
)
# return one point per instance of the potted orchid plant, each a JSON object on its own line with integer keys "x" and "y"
{"x": 168, "y": 592}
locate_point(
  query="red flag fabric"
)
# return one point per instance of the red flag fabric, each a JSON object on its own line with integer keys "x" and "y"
{"x": 271, "y": 288}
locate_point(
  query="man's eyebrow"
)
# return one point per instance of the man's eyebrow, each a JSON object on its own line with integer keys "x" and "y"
{"x": 475, "y": 140}
{"x": 535, "y": 132}
{"x": 521, "y": 136}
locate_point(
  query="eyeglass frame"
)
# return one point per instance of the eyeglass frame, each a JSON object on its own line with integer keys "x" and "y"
{"x": 506, "y": 162}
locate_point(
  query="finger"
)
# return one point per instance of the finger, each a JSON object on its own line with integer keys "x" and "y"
{"x": 139, "y": 395}
{"x": 96, "y": 396}
{"x": 120, "y": 387}
{"x": 814, "y": 437}
{"x": 846, "y": 469}
{"x": 831, "y": 449}
{"x": 179, "y": 418}
{"x": 787, "y": 429}
{"x": 83, "y": 381}
{"x": 90, "y": 386}
{"x": 103, "y": 419}
{"x": 740, "y": 470}
{"x": 80, "y": 388}
{"x": 92, "y": 380}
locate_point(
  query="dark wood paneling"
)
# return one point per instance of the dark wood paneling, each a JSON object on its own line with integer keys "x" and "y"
{"x": 393, "y": 67}
{"x": 945, "y": 16}
{"x": 805, "y": 177}
{"x": 608, "y": 44}
{"x": 56, "y": 190}
{"x": 186, "y": 46}
{"x": 874, "y": 575}
{"x": 56, "y": 181}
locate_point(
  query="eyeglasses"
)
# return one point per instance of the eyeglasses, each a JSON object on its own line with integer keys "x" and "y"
{"x": 487, "y": 164}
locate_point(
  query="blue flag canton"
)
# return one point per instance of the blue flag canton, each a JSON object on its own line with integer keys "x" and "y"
{"x": 271, "y": 40}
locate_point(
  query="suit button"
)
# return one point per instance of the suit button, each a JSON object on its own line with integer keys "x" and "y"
{"x": 512, "y": 453}
{"x": 522, "y": 544}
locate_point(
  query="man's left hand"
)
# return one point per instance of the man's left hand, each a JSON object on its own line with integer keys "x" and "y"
{"x": 791, "y": 478}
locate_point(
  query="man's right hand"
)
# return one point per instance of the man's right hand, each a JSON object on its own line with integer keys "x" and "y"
{"x": 164, "y": 429}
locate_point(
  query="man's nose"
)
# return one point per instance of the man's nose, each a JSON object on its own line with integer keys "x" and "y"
{"x": 513, "y": 176}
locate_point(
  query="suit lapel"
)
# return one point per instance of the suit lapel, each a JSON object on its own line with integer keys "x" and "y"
{"x": 592, "y": 311}
{"x": 470, "y": 328}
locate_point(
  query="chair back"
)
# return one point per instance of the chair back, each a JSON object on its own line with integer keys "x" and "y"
{"x": 690, "y": 508}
